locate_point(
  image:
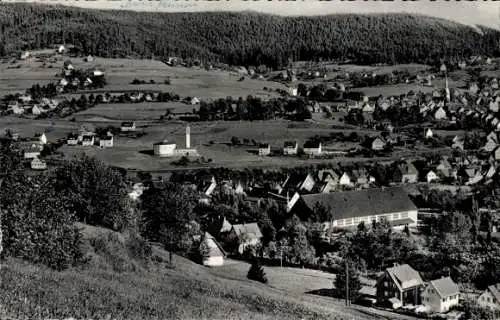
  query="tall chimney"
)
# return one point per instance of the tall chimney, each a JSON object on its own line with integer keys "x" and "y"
{"x": 188, "y": 137}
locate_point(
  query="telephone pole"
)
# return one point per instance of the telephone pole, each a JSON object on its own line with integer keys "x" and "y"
{"x": 347, "y": 302}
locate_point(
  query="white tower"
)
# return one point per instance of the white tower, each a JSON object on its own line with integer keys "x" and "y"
{"x": 188, "y": 137}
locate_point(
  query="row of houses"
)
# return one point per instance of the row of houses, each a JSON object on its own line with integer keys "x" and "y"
{"x": 402, "y": 286}
{"x": 89, "y": 139}
{"x": 26, "y": 105}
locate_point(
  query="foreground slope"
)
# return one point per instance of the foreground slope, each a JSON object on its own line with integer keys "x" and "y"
{"x": 189, "y": 291}
{"x": 243, "y": 38}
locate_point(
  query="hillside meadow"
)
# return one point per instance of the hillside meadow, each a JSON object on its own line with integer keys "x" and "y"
{"x": 114, "y": 284}
{"x": 186, "y": 82}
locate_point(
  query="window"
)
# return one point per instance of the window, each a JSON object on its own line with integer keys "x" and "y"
{"x": 356, "y": 220}
{"x": 395, "y": 216}
{"x": 348, "y": 221}
{"x": 443, "y": 300}
{"x": 340, "y": 222}
{"x": 404, "y": 215}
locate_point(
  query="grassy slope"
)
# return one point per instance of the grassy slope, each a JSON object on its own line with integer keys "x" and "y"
{"x": 156, "y": 292}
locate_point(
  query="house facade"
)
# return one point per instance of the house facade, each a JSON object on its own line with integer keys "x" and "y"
{"x": 312, "y": 148}
{"x": 378, "y": 144}
{"x": 128, "y": 127}
{"x": 264, "y": 149}
{"x": 88, "y": 140}
{"x": 399, "y": 286}
{"x": 290, "y": 148}
{"x": 38, "y": 164}
{"x": 245, "y": 235}
{"x": 440, "y": 295}
{"x": 490, "y": 298}
{"x": 106, "y": 141}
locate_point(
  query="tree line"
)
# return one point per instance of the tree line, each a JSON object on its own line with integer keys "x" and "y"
{"x": 243, "y": 38}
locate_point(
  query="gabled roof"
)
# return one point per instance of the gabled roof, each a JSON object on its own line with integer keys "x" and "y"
{"x": 445, "y": 287}
{"x": 312, "y": 144}
{"x": 290, "y": 144}
{"x": 495, "y": 291}
{"x": 375, "y": 201}
{"x": 405, "y": 276}
{"x": 214, "y": 248}
{"x": 128, "y": 124}
{"x": 250, "y": 229}
{"x": 264, "y": 145}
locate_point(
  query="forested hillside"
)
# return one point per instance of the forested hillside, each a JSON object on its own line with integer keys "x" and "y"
{"x": 242, "y": 38}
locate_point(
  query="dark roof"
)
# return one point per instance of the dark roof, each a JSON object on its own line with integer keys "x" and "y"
{"x": 405, "y": 276}
{"x": 128, "y": 124}
{"x": 445, "y": 287}
{"x": 214, "y": 248}
{"x": 250, "y": 229}
{"x": 312, "y": 144}
{"x": 495, "y": 291}
{"x": 87, "y": 138}
{"x": 264, "y": 145}
{"x": 290, "y": 144}
{"x": 362, "y": 203}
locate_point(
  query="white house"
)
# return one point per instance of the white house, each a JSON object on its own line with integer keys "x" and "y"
{"x": 292, "y": 91}
{"x": 36, "y": 110}
{"x": 195, "y": 100}
{"x": 428, "y": 133}
{"x": 72, "y": 140}
{"x": 106, "y": 141}
{"x": 290, "y": 148}
{"x": 264, "y": 149}
{"x": 346, "y": 180}
{"x": 42, "y": 138}
{"x": 490, "y": 298}
{"x": 87, "y": 140}
{"x": 31, "y": 153}
{"x": 312, "y": 148}
{"x": 431, "y": 176}
{"x": 440, "y": 114}
{"x": 128, "y": 126}
{"x": 440, "y": 295}
{"x": 98, "y": 73}
{"x": 211, "y": 251}
{"x": 38, "y": 164}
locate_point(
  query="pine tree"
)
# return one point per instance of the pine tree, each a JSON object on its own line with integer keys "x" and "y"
{"x": 256, "y": 272}
{"x": 354, "y": 283}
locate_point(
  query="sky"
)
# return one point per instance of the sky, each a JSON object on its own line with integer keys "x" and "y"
{"x": 467, "y": 12}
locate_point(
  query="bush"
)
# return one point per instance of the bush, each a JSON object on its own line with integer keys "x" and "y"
{"x": 256, "y": 272}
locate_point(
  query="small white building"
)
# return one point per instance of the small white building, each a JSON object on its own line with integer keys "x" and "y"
{"x": 38, "y": 164}
{"x": 42, "y": 138}
{"x": 195, "y": 101}
{"x": 439, "y": 296}
{"x": 264, "y": 149}
{"x": 428, "y": 133}
{"x": 490, "y": 298}
{"x": 431, "y": 176}
{"x": 98, "y": 73}
{"x": 312, "y": 148}
{"x": 293, "y": 91}
{"x": 72, "y": 140}
{"x": 440, "y": 114}
{"x": 211, "y": 251}
{"x": 88, "y": 140}
{"x": 128, "y": 127}
{"x": 290, "y": 148}
{"x": 106, "y": 141}
{"x": 164, "y": 149}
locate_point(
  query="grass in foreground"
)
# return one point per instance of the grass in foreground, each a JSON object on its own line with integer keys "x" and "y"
{"x": 151, "y": 291}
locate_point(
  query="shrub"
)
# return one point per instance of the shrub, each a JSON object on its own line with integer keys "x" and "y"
{"x": 256, "y": 272}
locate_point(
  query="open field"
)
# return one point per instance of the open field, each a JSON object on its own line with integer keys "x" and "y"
{"x": 136, "y": 153}
{"x": 186, "y": 82}
{"x": 133, "y": 111}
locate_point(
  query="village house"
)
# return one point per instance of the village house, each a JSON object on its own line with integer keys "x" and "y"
{"x": 128, "y": 127}
{"x": 490, "y": 145}
{"x": 378, "y": 144}
{"x": 106, "y": 141}
{"x": 38, "y": 164}
{"x": 245, "y": 235}
{"x": 41, "y": 137}
{"x": 87, "y": 140}
{"x": 195, "y": 101}
{"x": 408, "y": 172}
{"x": 346, "y": 179}
{"x": 212, "y": 253}
{"x": 399, "y": 286}
{"x": 264, "y": 149}
{"x": 440, "y": 295}
{"x": 72, "y": 139}
{"x": 290, "y": 148}
{"x": 207, "y": 185}
{"x": 431, "y": 176}
{"x": 350, "y": 208}
{"x": 490, "y": 298}
{"x": 428, "y": 133}
{"x": 312, "y": 148}
{"x": 298, "y": 183}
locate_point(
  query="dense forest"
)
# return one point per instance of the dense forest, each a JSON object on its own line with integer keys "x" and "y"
{"x": 242, "y": 38}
